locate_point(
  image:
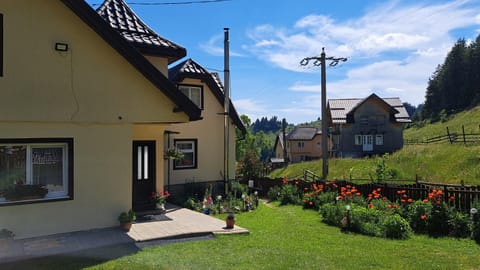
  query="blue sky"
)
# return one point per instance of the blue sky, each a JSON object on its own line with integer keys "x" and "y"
{"x": 393, "y": 47}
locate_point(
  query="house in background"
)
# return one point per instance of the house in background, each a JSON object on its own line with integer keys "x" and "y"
{"x": 369, "y": 126}
{"x": 302, "y": 144}
{"x": 202, "y": 142}
{"x": 84, "y": 114}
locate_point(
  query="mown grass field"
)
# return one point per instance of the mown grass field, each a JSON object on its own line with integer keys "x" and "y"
{"x": 439, "y": 162}
{"x": 289, "y": 237}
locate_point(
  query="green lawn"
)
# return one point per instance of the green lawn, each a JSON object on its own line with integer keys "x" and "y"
{"x": 288, "y": 237}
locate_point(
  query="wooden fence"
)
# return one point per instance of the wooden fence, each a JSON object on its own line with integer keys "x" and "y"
{"x": 451, "y": 137}
{"x": 464, "y": 196}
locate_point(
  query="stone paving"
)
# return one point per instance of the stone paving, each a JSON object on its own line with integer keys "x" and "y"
{"x": 174, "y": 225}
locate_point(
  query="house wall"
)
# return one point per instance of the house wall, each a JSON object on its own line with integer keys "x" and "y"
{"x": 89, "y": 83}
{"x": 91, "y": 94}
{"x": 209, "y": 133}
{"x": 102, "y": 179}
{"x": 392, "y": 132}
{"x": 278, "y": 150}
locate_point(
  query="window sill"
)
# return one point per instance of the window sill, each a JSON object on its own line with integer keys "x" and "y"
{"x": 32, "y": 200}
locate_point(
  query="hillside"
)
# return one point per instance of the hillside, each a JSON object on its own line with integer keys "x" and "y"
{"x": 441, "y": 162}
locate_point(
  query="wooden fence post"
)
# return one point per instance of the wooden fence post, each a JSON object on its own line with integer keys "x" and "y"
{"x": 463, "y": 133}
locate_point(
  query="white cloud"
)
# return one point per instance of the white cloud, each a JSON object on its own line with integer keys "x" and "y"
{"x": 393, "y": 49}
{"x": 214, "y": 46}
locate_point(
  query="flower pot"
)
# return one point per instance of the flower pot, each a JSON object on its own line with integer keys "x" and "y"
{"x": 126, "y": 226}
{"x": 230, "y": 221}
{"x": 161, "y": 207}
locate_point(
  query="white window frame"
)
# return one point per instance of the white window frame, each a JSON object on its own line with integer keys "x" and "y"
{"x": 193, "y": 150}
{"x": 67, "y": 166}
{"x": 188, "y": 91}
{"x": 379, "y": 139}
{"x": 358, "y": 139}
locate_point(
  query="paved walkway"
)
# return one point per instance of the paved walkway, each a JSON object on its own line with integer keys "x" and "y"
{"x": 177, "y": 224}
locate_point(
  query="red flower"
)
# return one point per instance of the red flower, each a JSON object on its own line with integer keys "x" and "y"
{"x": 395, "y": 206}
{"x": 423, "y": 217}
{"x": 311, "y": 203}
{"x": 409, "y": 200}
{"x": 452, "y": 198}
{"x": 425, "y": 201}
{"x": 389, "y": 206}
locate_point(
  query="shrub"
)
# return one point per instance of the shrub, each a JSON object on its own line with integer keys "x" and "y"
{"x": 332, "y": 213}
{"x": 459, "y": 225}
{"x": 417, "y": 215}
{"x": 274, "y": 193}
{"x": 365, "y": 220}
{"x": 437, "y": 224}
{"x": 290, "y": 194}
{"x": 394, "y": 226}
{"x": 327, "y": 197}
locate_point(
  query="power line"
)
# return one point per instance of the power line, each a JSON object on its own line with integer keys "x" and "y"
{"x": 172, "y": 3}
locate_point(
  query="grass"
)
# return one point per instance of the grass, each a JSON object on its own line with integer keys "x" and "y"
{"x": 288, "y": 237}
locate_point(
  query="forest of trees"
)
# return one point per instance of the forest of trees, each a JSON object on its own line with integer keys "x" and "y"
{"x": 455, "y": 85}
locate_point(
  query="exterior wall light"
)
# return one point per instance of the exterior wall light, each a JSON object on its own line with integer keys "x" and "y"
{"x": 61, "y": 47}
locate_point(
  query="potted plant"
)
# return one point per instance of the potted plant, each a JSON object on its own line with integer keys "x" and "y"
{"x": 20, "y": 191}
{"x": 160, "y": 198}
{"x": 230, "y": 221}
{"x": 126, "y": 219}
{"x": 173, "y": 153}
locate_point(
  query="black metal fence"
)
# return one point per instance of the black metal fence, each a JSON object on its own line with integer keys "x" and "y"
{"x": 462, "y": 197}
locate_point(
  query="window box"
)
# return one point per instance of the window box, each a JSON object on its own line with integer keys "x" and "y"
{"x": 21, "y": 192}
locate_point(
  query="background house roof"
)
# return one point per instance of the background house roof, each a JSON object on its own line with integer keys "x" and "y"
{"x": 303, "y": 133}
{"x": 121, "y": 18}
{"x": 339, "y": 108}
{"x": 118, "y": 43}
{"x": 191, "y": 69}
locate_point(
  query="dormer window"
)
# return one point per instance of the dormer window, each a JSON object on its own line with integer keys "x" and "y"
{"x": 194, "y": 93}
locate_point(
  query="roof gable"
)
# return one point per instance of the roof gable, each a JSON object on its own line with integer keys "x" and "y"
{"x": 303, "y": 133}
{"x": 338, "y": 109}
{"x": 122, "y": 18}
{"x": 191, "y": 69}
{"x": 117, "y": 42}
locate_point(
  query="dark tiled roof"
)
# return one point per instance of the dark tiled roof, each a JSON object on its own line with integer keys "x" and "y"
{"x": 121, "y": 18}
{"x": 118, "y": 43}
{"x": 339, "y": 108}
{"x": 191, "y": 69}
{"x": 303, "y": 133}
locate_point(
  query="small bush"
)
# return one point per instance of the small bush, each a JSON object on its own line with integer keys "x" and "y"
{"x": 438, "y": 221}
{"x": 394, "y": 226}
{"x": 332, "y": 213}
{"x": 365, "y": 220}
{"x": 459, "y": 225}
{"x": 417, "y": 215}
{"x": 327, "y": 197}
{"x": 290, "y": 194}
{"x": 274, "y": 193}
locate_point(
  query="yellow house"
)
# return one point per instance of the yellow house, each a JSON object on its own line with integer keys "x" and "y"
{"x": 82, "y": 120}
{"x": 201, "y": 141}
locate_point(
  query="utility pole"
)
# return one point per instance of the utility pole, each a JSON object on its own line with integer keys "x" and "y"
{"x": 284, "y": 139}
{"x": 226, "y": 110}
{"x": 320, "y": 61}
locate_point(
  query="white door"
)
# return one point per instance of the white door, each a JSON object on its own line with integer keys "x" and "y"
{"x": 367, "y": 143}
